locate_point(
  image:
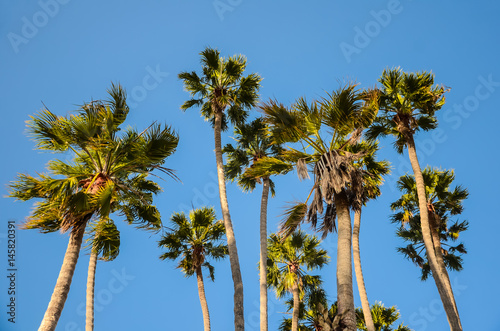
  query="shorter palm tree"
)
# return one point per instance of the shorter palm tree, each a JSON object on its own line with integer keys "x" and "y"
{"x": 286, "y": 262}
{"x": 195, "y": 239}
{"x": 383, "y": 318}
{"x": 442, "y": 203}
{"x": 309, "y": 311}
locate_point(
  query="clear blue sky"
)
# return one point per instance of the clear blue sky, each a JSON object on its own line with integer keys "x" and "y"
{"x": 63, "y": 53}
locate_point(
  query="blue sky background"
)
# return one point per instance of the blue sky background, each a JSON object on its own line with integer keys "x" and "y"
{"x": 63, "y": 53}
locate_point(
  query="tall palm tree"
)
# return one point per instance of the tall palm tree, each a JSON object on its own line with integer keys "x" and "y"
{"x": 373, "y": 171}
{"x": 408, "y": 103}
{"x": 252, "y": 145}
{"x": 442, "y": 203}
{"x": 384, "y": 318}
{"x": 326, "y": 130}
{"x": 108, "y": 172}
{"x": 288, "y": 260}
{"x": 105, "y": 241}
{"x": 222, "y": 93}
{"x": 196, "y": 239}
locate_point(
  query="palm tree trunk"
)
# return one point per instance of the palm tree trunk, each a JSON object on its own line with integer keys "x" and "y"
{"x": 263, "y": 254}
{"x": 359, "y": 273}
{"x": 239, "y": 319}
{"x": 345, "y": 297}
{"x": 445, "y": 293}
{"x": 296, "y": 307}
{"x": 89, "y": 318}
{"x": 63, "y": 283}
{"x": 203, "y": 300}
{"x": 436, "y": 241}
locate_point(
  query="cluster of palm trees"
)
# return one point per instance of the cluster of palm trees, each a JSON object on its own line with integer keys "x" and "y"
{"x": 333, "y": 139}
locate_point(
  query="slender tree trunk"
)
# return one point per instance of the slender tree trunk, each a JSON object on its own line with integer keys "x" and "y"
{"x": 263, "y": 254}
{"x": 445, "y": 293}
{"x": 365, "y": 304}
{"x": 436, "y": 241}
{"x": 63, "y": 283}
{"x": 203, "y": 300}
{"x": 296, "y": 307}
{"x": 239, "y": 319}
{"x": 89, "y": 318}
{"x": 345, "y": 297}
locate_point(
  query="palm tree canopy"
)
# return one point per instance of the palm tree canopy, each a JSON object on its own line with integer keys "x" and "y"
{"x": 108, "y": 172}
{"x": 407, "y": 103}
{"x": 326, "y": 134}
{"x": 383, "y": 318}
{"x": 252, "y": 145}
{"x": 290, "y": 258}
{"x": 442, "y": 203}
{"x": 196, "y": 238}
{"x": 221, "y": 87}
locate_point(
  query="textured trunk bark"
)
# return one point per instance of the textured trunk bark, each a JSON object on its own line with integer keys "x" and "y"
{"x": 436, "y": 241}
{"x": 263, "y": 254}
{"x": 296, "y": 306}
{"x": 63, "y": 283}
{"x": 345, "y": 297}
{"x": 239, "y": 320}
{"x": 445, "y": 293}
{"x": 365, "y": 304}
{"x": 89, "y": 318}
{"x": 203, "y": 300}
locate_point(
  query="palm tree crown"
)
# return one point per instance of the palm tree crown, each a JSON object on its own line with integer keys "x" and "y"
{"x": 443, "y": 203}
{"x": 221, "y": 87}
{"x": 196, "y": 238}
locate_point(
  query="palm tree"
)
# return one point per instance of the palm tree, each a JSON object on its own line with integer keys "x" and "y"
{"x": 252, "y": 145}
{"x": 342, "y": 115}
{"x": 105, "y": 241}
{"x": 373, "y": 171}
{"x": 408, "y": 103}
{"x": 442, "y": 203}
{"x": 224, "y": 93}
{"x": 383, "y": 317}
{"x": 287, "y": 259}
{"x": 108, "y": 172}
{"x": 196, "y": 239}
{"x": 309, "y": 311}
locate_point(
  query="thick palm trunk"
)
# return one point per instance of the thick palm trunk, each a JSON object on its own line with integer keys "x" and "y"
{"x": 359, "y": 273}
{"x": 89, "y": 318}
{"x": 345, "y": 297}
{"x": 296, "y": 306}
{"x": 239, "y": 320}
{"x": 263, "y": 255}
{"x": 63, "y": 283}
{"x": 445, "y": 292}
{"x": 203, "y": 300}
